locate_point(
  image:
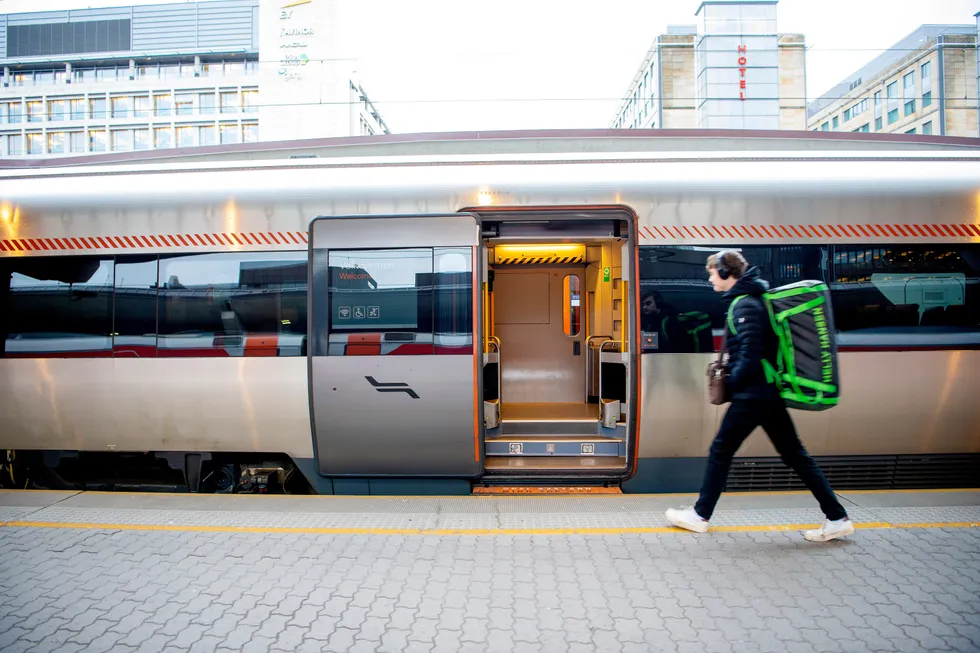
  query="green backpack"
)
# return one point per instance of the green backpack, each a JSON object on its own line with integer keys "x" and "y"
{"x": 696, "y": 329}
{"x": 806, "y": 371}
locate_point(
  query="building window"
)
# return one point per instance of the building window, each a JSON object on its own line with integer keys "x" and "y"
{"x": 15, "y": 145}
{"x": 122, "y": 140}
{"x": 163, "y": 104}
{"x": 35, "y": 111}
{"x": 56, "y": 142}
{"x": 78, "y": 109}
{"x": 864, "y": 128}
{"x": 141, "y": 139}
{"x": 35, "y": 143}
{"x": 927, "y": 128}
{"x": 835, "y": 122}
{"x": 98, "y": 108}
{"x": 825, "y": 127}
{"x": 122, "y": 106}
{"x": 877, "y": 124}
{"x": 208, "y": 135}
{"x": 186, "y": 136}
{"x": 60, "y": 308}
{"x": 77, "y": 141}
{"x": 141, "y": 106}
{"x": 206, "y": 101}
{"x": 250, "y": 101}
{"x": 57, "y": 110}
{"x": 232, "y": 304}
{"x": 909, "y": 93}
{"x": 229, "y": 133}
{"x": 926, "y": 99}
{"x": 96, "y": 140}
{"x": 911, "y": 131}
{"x": 15, "y": 112}
{"x": 892, "y": 92}
{"x": 229, "y": 102}
{"x": 163, "y": 137}
{"x": 250, "y": 132}
{"x": 185, "y": 104}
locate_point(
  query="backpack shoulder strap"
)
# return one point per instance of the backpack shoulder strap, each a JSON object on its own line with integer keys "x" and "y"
{"x": 731, "y": 313}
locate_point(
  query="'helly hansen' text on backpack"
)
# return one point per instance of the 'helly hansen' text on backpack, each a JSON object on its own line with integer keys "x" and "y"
{"x": 806, "y": 371}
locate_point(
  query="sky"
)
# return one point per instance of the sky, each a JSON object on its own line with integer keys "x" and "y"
{"x": 447, "y": 65}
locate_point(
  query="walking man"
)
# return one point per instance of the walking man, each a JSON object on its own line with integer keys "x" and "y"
{"x": 754, "y": 402}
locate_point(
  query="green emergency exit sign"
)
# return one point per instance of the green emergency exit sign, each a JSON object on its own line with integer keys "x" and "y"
{"x": 605, "y": 274}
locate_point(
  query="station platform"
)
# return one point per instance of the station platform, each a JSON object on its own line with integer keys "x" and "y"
{"x": 90, "y": 571}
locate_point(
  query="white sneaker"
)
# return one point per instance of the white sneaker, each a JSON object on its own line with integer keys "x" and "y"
{"x": 830, "y": 530}
{"x": 687, "y": 519}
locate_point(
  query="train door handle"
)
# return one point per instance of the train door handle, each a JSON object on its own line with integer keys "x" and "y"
{"x": 576, "y": 348}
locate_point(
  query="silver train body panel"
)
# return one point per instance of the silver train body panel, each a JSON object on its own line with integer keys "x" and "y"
{"x": 893, "y": 402}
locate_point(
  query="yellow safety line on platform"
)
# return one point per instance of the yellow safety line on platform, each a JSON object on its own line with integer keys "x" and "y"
{"x": 458, "y": 531}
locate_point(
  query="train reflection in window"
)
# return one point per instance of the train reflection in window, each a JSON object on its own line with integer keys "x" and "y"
{"x": 232, "y": 304}
{"x": 56, "y": 307}
{"x": 401, "y": 302}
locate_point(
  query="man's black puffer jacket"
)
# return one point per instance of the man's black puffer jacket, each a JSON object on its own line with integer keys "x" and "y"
{"x": 753, "y": 339}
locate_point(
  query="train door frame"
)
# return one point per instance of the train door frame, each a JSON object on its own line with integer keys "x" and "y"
{"x": 356, "y": 426}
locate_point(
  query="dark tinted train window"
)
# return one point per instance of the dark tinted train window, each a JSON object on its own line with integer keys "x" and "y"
{"x": 135, "y": 325}
{"x": 56, "y": 307}
{"x": 232, "y": 304}
{"x": 677, "y": 304}
{"x": 907, "y": 289}
{"x": 413, "y": 302}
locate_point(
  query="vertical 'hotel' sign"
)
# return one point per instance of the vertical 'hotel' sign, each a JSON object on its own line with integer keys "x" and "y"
{"x": 742, "y": 61}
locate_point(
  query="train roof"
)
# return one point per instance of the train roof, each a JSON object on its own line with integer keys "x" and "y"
{"x": 539, "y": 143}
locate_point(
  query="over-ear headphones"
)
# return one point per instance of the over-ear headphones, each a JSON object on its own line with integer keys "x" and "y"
{"x": 723, "y": 271}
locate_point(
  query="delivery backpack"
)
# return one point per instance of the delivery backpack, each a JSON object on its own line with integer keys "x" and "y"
{"x": 806, "y": 371}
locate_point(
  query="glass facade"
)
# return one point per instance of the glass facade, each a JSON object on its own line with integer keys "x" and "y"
{"x": 738, "y": 67}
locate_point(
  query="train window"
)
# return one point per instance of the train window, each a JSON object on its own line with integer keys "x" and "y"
{"x": 135, "y": 316}
{"x": 232, "y": 304}
{"x": 882, "y": 292}
{"x": 398, "y": 302}
{"x": 678, "y": 307}
{"x": 52, "y": 307}
{"x": 571, "y": 304}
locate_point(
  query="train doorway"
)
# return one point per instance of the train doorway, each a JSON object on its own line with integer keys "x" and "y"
{"x": 560, "y": 383}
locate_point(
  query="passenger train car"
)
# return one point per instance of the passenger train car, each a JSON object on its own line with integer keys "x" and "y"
{"x": 454, "y": 312}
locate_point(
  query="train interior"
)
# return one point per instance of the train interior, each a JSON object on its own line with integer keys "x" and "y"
{"x": 556, "y": 367}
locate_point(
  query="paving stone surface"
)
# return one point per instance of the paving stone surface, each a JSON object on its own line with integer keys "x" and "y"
{"x": 92, "y": 590}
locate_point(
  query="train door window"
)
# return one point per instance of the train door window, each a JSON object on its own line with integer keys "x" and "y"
{"x": 921, "y": 290}
{"x": 401, "y": 302}
{"x": 571, "y": 304}
{"x": 232, "y": 304}
{"x": 54, "y": 307}
{"x": 135, "y": 316}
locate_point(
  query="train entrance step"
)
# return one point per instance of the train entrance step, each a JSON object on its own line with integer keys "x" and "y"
{"x": 506, "y": 490}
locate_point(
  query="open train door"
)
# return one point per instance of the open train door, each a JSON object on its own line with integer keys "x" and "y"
{"x": 395, "y": 357}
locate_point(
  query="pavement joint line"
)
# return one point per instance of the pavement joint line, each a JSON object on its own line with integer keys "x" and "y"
{"x": 464, "y": 531}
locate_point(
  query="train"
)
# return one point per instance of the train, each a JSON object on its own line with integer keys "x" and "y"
{"x": 476, "y": 312}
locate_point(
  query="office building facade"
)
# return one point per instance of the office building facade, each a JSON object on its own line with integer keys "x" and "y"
{"x": 924, "y": 84}
{"x": 174, "y": 75}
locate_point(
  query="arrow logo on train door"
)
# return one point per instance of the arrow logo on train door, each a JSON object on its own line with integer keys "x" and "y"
{"x": 392, "y": 387}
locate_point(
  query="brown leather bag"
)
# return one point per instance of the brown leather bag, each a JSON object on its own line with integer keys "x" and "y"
{"x": 718, "y": 375}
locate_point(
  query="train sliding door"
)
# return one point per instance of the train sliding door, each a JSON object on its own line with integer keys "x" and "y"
{"x": 395, "y": 363}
